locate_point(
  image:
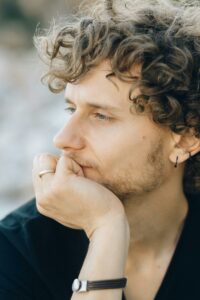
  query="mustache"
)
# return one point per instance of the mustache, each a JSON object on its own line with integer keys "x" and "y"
{"x": 80, "y": 161}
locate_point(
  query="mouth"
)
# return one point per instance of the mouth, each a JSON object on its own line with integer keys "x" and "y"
{"x": 85, "y": 167}
{"x": 85, "y": 170}
{"x": 82, "y": 164}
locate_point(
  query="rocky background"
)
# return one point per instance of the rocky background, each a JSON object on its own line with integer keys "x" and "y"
{"x": 30, "y": 114}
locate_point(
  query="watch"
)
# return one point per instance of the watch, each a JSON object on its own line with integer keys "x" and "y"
{"x": 86, "y": 285}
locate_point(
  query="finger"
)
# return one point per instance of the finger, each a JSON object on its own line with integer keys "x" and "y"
{"x": 44, "y": 161}
{"x": 47, "y": 162}
{"x": 66, "y": 166}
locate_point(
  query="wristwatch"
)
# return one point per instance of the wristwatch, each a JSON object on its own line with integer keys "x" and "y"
{"x": 85, "y": 285}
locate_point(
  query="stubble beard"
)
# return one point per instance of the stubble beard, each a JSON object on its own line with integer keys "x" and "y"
{"x": 127, "y": 184}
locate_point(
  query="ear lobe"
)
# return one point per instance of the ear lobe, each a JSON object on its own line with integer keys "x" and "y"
{"x": 179, "y": 156}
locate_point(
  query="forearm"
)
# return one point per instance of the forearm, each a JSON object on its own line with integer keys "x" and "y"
{"x": 106, "y": 259}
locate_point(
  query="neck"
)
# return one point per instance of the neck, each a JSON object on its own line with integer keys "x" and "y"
{"x": 156, "y": 218}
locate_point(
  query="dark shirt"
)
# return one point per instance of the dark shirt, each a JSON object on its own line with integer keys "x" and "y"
{"x": 40, "y": 258}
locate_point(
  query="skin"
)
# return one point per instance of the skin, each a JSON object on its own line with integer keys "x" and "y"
{"x": 81, "y": 138}
{"x": 117, "y": 162}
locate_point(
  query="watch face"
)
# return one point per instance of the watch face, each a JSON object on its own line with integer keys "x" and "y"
{"x": 76, "y": 285}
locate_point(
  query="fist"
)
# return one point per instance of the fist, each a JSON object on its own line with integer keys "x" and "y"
{"x": 70, "y": 198}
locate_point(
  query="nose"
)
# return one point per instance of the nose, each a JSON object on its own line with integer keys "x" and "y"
{"x": 69, "y": 137}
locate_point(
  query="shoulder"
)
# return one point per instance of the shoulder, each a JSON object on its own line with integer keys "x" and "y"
{"x": 25, "y": 228}
{"x": 33, "y": 245}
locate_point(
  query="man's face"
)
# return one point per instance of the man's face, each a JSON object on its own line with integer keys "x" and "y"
{"x": 124, "y": 151}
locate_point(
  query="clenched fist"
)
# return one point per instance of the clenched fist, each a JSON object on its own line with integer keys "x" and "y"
{"x": 70, "y": 198}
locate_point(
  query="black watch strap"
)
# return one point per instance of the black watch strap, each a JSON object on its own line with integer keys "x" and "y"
{"x": 107, "y": 284}
{"x": 86, "y": 285}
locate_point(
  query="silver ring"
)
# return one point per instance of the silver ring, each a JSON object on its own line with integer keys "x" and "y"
{"x": 45, "y": 172}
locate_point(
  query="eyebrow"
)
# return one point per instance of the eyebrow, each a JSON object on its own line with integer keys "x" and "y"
{"x": 95, "y": 105}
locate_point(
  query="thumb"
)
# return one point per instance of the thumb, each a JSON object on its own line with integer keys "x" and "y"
{"x": 67, "y": 166}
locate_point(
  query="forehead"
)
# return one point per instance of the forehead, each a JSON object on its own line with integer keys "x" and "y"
{"x": 97, "y": 85}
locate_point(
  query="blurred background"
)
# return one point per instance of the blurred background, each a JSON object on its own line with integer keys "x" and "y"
{"x": 30, "y": 114}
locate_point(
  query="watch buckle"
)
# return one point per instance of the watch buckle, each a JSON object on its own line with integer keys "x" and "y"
{"x": 83, "y": 287}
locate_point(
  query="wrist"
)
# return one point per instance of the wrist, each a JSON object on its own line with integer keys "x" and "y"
{"x": 106, "y": 257}
{"x": 107, "y": 252}
{"x": 115, "y": 226}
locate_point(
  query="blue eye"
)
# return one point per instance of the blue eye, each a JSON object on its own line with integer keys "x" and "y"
{"x": 70, "y": 110}
{"x": 99, "y": 116}
{"x": 102, "y": 117}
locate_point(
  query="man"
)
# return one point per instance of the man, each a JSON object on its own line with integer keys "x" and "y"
{"x": 122, "y": 200}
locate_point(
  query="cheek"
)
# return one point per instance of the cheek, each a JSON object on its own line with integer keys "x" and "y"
{"x": 121, "y": 150}
{"x": 117, "y": 145}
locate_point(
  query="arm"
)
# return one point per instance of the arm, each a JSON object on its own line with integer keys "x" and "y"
{"x": 106, "y": 258}
{"x": 76, "y": 201}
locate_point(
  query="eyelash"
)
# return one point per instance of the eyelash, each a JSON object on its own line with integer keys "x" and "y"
{"x": 105, "y": 118}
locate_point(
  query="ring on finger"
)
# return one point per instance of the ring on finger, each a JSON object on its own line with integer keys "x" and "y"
{"x": 45, "y": 172}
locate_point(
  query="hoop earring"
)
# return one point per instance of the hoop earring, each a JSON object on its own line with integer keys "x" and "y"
{"x": 176, "y": 163}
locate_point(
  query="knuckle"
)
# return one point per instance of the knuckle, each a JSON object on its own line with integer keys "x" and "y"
{"x": 41, "y": 155}
{"x": 45, "y": 155}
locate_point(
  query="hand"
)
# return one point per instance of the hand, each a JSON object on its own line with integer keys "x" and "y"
{"x": 70, "y": 198}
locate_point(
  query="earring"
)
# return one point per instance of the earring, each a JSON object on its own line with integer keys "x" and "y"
{"x": 176, "y": 163}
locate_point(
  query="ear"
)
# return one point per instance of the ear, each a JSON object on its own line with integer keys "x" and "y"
{"x": 185, "y": 145}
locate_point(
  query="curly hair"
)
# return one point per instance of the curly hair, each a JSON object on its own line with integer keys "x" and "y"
{"x": 162, "y": 36}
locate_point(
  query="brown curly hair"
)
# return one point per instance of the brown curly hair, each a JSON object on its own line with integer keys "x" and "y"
{"x": 160, "y": 35}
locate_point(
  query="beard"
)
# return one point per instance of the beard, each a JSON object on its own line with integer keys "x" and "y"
{"x": 130, "y": 182}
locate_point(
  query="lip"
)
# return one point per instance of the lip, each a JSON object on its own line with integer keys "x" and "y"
{"x": 79, "y": 162}
{"x": 82, "y": 165}
{"x": 85, "y": 167}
